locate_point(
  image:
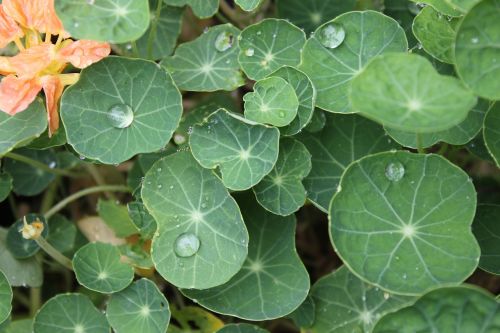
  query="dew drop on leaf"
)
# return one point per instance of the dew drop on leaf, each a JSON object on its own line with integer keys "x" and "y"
{"x": 186, "y": 245}
{"x": 224, "y": 41}
{"x": 395, "y": 171}
{"x": 120, "y": 115}
{"x": 332, "y": 35}
{"x": 249, "y": 52}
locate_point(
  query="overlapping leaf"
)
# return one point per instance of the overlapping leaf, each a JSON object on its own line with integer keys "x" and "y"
{"x": 241, "y": 328}
{"x": 5, "y": 298}
{"x": 20, "y": 247}
{"x": 491, "y": 132}
{"x": 442, "y": 6}
{"x": 5, "y": 185}
{"x": 248, "y": 5}
{"x": 487, "y": 231}
{"x": 201, "y": 8}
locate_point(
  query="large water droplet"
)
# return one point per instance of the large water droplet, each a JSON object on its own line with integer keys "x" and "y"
{"x": 120, "y": 115}
{"x": 186, "y": 245}
{"x": 224, "y": 41}
{"x": 332, "y": 35}
{"x": 394, "y": 171}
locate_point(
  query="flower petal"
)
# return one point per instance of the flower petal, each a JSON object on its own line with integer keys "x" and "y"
{"x": 16, "y": 94}
{"x": 53, "y": 88}
{"x": 84, "y": 53}
{"x": 5, "y": 67}
{"x": 37, "y": 15}
{"x": 9, "y": 30}
{"x": 33, "y": 60}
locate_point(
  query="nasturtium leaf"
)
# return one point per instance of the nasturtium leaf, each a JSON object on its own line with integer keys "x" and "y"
{"x": 116, "y": 217}
{"x": 241, "y": 328}
{"x": 143, "y": 221}
{"x": 26, "y": 179}
{"x": 306, "y": 94}
{"x": 98, "y": 267}
{"x": 204, "y": 320}
{"x": 441, "y": 6}
{"x": 5, "y": 298}
{"x": 462, "y": 5}
{"x": 193, "y": 117}
{"x": 404, "y": 13}
{"x": 317, "y": 123}
{"x": 436, "y": 33}
{"x": 201, "y": 8}
{"x": 457, "y": 135}
{"x": 62, "y": 233}
{"x": 405, "y": 92}
{"x": 115, "y": 21}
{"x": 23, "y": 272}
{"x": 343, "y": 140}
{"x": 272, "y": 102}
{"x": 137, "y": 253}
{"x": 344, "y": 303}
{"x": 5, "y": 185}
{"x": 244, "y": 151}
{"x": 268, "y": 45}
{"x": 311, "y": 14}
{"x": 491, "y": 132}
{"x": 209, "y": 62}
{"x": 70, "y": 313}
{"x": 45, "y": 141}
{"x": 461, "y": 309}
{"x": 273, "y": 281}
{"x": 478, "y": 148}
{"x": 141, "y": 307}
{"x": 201, "y": 240}
{"x": 304, "y": 315}
{"x": 281, "y": 191}
{"x": 120, "y": 107}
{"x": 21, "y": 127}
{"x": 20, "y": 247}
{"x": 340, "y": 48}
{"x": 487, "y": 231}
{"x": 418, "y": 217}
{"x": 248, "y": 5}
{"x": 19, "y": 326}
{"x": 476, "y": 49}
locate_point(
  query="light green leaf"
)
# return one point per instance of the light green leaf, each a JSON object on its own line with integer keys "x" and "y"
{"x": 441, "y": 6}
{"x": 346, "y": 304}
{"x": 452, "y": 309}
{"x": 70, "y": 313}
{"x": 116, "y": 217}
{"x": 248, "y": 5}
{"x": 366, "y": 35}
{"x": 139, "y": 308}
{"x": 418, "y": 217}
{"x": 405, "y": 92}
{"x": 491, "y": 132}
{"x": 244, "y": 151}
{"x": 22, "y": 127}
{"x": 436, "y": 33}
{"x": 98, "y": 267}
{"x": 311, "y": 14}
{"x": 5, "y": 298}
{"x": 142, "y": 219}
{"x": 201, "y": 240}
{"x": 462, "y": 5}
{"x": 476, "y": 49}
{"x": 281, "y": 191}
{"x": 304, "y": 315}
{"x": 20, "y": 326}
{"x": 343, "y": 140}
{"x": 487, "y": 231}
{"x": 201, "y": 8}
{"x": 62, "y": 233}
{"x": 273, "y": 281}
{"x": 241, "y": 328}
{"x": 209, "y": 62}
{"x": 269, "y": 45}
{"x": 273, "y": 102}
{"x": 20, "y": 247}
{"x": 120, "y": 107}
{"x": 5, "y": 185}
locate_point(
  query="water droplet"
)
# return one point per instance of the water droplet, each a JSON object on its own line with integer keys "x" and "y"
{"x": 52, "y": 164}
{"x": 186, "y": 245}
{"x": 120, "y": 115}
{"x": 259, "y": 33}
{"x": 171, "y": 187}
{"x": 224, "y": 41}
{"x": 414, "y": 8}
{"x": 282, "y": 114}
{"x": 158, "y": 170}
{"x": 249, "y": 52}
{"x": 179, "y": 139}
{"x": 332, "y": 35}
{"x": 159, "y": 186}
{"x": 386, "y": 295}
{"x": 395, "y": 171}
{"x": 474, "y": 40}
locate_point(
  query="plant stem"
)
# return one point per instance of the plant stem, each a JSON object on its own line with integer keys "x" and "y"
{"x": 230, "y": 13}
{"x": 48, "y": 197}
{"x": 55, "y": 254}
{"x": 40, "y": 165}
{"x": 154, "y": 27}
{"x": 75, "y": 196}
{"x": 420, "y": 149}
{"x": 135, "y": 49}
{"x": 221, "y": 17}
{"x": 91, "y": 168}
{"x": 35, "y": 300}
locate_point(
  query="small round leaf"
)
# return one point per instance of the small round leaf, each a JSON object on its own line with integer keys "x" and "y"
{"x": 5, "y": 298}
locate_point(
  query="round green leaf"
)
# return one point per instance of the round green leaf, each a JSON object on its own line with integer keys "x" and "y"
{"x": 5, "y": 298}
{"x": 441, "y": 6}
{"x": 304, "y": 315}
{"x": 20, "y": 247}
{"x": 201, "y": 8}
{"x": 281, "y": 191}
{"x": 367, "y": 34}
{"x": 318, "y": 121}
{"x": 5, "y": 185}
{"x": 478, "y": 148}
{"x": 116, "y": 217}
{"x": 142, "y": 219}
{"x": 241, "y": 328}
{"x": 273, "y": 102}
{"x": 346, "y": 304}
{"x": 244, "y": 151}
{"x": 19, "y": 326}
{"x": 201, "y": 240}
{"x": 343, "y": 140}
{"x": 453, "y": 309}
{"x": 487, "y": 231}
{"x": 62, "y": 233}
{"x": 70, "y": 313}
{"x": 141, "y": 307}
{"x": 115, "y": 21}
{"x": 476, "y": 49}
{"x": 418, "y": 217}
{"x": 98, "y": 267}
{"x": 209, "y": 62}
{"x": 462, "y": 5}
{"x": 405, "y": 92}
{"x": 273, "y": 281}
{"x": 311, "y": 14}
{"x": 248, "y": 5}
{"x": 491, "y": 132}
{"x": 268, "y": 45}
{"x": 120, "y": 107}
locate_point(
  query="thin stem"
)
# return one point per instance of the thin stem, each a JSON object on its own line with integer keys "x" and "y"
{"x": 40, "y": 165}
{"x": 55, "y": 254}
{"x": 92, "y": 169}
{"x": 221, "y": 17}
{"x": 35, "y": 300}
{"x": 420, "y": 149}
{"x": 75, "y": 196}
{"x": 230, "y": 13}
{"x": 48, "y": 197}
{"x": 135, "y": 49}
{"x": 154, "y": 28}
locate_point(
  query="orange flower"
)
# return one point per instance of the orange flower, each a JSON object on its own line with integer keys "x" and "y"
{"x": 40, "y": 64}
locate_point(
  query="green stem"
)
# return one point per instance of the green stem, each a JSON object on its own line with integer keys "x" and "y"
{"x": 230, "y": 13}
{"x": 35, "y": 300}
{"x": 154, "y": 28}
{"x": 40, "y": 165}
{"x": 48, "y": 197}
{"x": 91, "y": 168}
{"x": 75, "y": 196}
{"x": 55, "y": 254}
{"x": 420, "y": 149}
{"x": 135, "y": 49}
{"x": 221, "y": 17}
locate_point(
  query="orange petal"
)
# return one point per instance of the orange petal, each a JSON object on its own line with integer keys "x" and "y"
{"x": 33, "y": 60}
{"x": 5, "y": 66}
{"x": 16, "y": 94}
{"x": 84, "y": 53}
{"x": 53, "y": 88}
{"x": 37, "y": 15}
{"x": 9, "y": 30}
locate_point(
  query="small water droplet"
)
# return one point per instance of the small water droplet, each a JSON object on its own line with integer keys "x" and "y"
{"x": 259, "y": 33}
{"x": 120, "y": 115}
{"x": 332, "y": 35}
{"x": 386, "y": 295}
{"x": 179, "y": 139}
{"x": 224, "y": 41}
{"x": 414, "y": 8}
{"x": 159, "y": 186}
{"x": 249, "y": 52}
{"x": 395, "y": 171}
{"x": 186, "y": 245}
{"x": 171, "y": 187}
{"x": 282, "y": 114}
{"x": 52, "y": 164}
{"x": 203, "y": 205}
{"x": 474, "y": 40}
{"x": 158, "y": 170}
